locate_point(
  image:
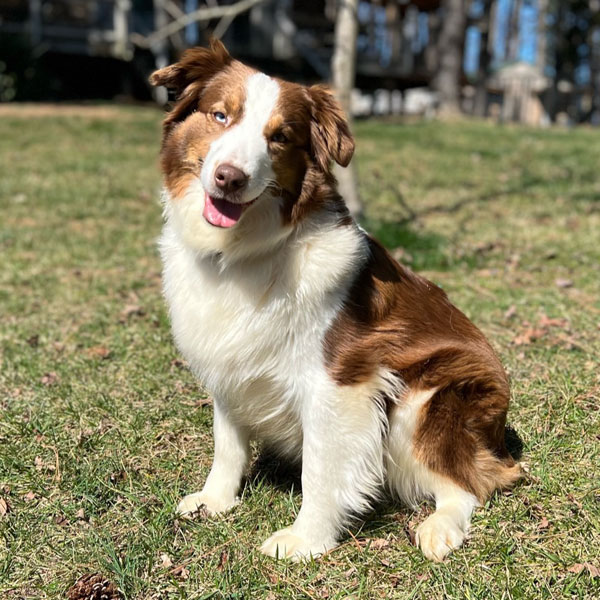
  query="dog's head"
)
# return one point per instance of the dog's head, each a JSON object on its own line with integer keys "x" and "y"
{"x": 245, "y": 156}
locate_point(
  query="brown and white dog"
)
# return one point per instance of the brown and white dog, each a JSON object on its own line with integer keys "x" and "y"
{"x": 309, "y": 336}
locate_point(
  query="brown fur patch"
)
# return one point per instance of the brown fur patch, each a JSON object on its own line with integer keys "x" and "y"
{"x": 398, "y": 320}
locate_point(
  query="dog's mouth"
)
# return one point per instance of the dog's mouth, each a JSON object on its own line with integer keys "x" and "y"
{"x": 223, "y": 213}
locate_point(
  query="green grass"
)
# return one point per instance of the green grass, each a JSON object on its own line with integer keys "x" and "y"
{"x": 102, "y": 429}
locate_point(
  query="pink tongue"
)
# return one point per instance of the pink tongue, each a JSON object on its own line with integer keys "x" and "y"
{"x": 221, "y": 213}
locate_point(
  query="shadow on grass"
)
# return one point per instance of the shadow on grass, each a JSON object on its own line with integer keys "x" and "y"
{"x": 419, "y": 250}
{"x": 273, "y": 470}
{"x": 514, "y": 443}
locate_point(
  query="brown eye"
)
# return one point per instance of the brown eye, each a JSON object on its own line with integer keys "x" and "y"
{"x": 220, "y": 117}
{"x": 279, "y": 138}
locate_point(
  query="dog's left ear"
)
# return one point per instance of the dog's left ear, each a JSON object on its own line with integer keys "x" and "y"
{"x": 196, "y": 65}
{"x": 188, "y": 77}
{"x": 329, "y": 130}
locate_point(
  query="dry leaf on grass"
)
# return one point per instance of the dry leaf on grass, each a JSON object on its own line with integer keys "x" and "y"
{"x": 50, "y": 378}
{"x": 4, "y": 507}
{"x": 580, "y": 567}
{"x": 180, "y": 572}
{"x": 563, "y": 283}
{"x": 223, "y": 560}
{"x": 131, "y": 310}
{"x": 165, "y": 561}
{"x": 379, "y": 544}
{"x": 98, "y": 352}
{"x": 33, "y": 341}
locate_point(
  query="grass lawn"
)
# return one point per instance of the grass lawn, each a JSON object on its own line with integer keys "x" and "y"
{"x": 102, "y": 429}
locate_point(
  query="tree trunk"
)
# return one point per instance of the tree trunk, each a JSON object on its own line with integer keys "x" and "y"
{"x": 450, "y": 53}
{"x": 343, "y": 69}
{"x": 485, "y": 26}
{"x": 514, "y": 31}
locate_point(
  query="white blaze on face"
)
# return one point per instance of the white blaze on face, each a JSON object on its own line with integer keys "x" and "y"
{"x": 244, "y": 145}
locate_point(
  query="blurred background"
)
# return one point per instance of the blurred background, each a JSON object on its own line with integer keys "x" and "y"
{"x": 532, "y": 61}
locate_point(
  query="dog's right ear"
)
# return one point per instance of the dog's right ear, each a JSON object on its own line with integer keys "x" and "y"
{"x": 196, "y": 66}
{"x": 188, "y": 77}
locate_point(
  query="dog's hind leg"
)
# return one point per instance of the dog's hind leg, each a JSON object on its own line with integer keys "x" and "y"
{"x": 412, "y": 480}
{"x": 232, "y": 450}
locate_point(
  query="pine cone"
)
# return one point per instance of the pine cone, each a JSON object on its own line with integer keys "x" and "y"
{"x": 93, "y": 587}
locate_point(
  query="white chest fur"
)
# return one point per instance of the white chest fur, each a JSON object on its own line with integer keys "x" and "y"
{"x": 253, "y": 330}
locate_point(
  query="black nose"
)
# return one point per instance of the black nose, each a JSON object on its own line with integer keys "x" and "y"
{"x": 230, "y": 179}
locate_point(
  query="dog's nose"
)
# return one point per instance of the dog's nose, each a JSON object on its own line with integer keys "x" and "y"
{"x": 230, "y": 179}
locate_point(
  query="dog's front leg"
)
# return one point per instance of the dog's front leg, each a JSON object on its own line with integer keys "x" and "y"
{"x": 232, "y": 450}
{"x": 342, "y": 470}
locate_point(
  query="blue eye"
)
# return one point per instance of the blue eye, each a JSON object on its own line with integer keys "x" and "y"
{"x": 220, "y": 117}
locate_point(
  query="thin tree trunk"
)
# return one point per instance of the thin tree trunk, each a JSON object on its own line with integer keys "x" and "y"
{"x": 513, "y": 31}
{"x": 485, "y": 26}
{"x": 450, "y": 53}
{"x": 343, "y": 69}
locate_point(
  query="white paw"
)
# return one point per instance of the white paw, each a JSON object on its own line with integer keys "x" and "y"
{"x": 285, "y": 544}
{"x": 203, "y": 503}
{"x": 438, "y": 535}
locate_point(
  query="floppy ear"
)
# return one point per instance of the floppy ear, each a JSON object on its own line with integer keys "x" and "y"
{"x": 188, "y": 77}
{"x": 195, "y": 65}
{"x": 329, "y": 130}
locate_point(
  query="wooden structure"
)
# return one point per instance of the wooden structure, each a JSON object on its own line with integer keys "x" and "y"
{"x": 395, "y": 48}
{"x": 521, "y": 86}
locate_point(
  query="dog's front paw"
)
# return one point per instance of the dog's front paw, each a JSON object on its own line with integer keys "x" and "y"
{"x": 203, "y": 503}
{"x": 285, "y": 544}
{"x": 438, "y": 535}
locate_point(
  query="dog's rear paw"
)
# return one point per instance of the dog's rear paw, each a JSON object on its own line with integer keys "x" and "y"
{"x": 203, "y": 504}
{"x": 285, "y": 544}
{"x": 438, "y": 535}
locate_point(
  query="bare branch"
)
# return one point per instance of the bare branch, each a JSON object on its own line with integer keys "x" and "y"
{"x": 202, "y": 14}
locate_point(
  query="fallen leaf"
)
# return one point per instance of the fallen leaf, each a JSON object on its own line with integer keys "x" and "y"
{"x": 165, "y": 561}
{"x": 385, "y": 562}
{"x": 528, "y": 336}
{"x": 61, "y": 520}
{"x": 34, "y": 340}
{"x": 29, "y": 496}
{"x": 180, "y": 571}
{"x": 39, "y": 463}
{"x": 131, "y": 310}
{"x": 379, "y": 544}
{"x": 223, "y": 560}
{"x": 546, "y": 321}
{"x": 178, "y": 363}
{"x": 50, "y": 378}
{"x": 4, "y": 507}
{"x": 98, "y": 352}
{"x": 80, "y": 514}
{"x": 579, "y": 567}
{"x": 563, "y": 283}
{"x": 544, "y": 523}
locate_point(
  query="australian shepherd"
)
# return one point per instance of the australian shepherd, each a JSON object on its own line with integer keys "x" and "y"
{"x": 308, "y": 335}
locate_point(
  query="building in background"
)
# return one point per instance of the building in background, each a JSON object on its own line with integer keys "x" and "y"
{"x": 526, "y": 60}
